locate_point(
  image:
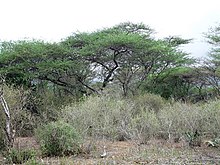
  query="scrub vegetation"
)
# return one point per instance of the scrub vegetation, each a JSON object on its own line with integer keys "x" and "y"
{"x": 114, "y": 96}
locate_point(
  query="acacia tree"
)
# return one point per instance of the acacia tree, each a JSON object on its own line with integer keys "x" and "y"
{"x": 204, "y": 78}
{"x": 175, "y": 72}
{"x": 106, "y": 51}
{"x": 126, "y": 54}
{"x": 34, "y": 63}
{"x": 210, "y": 70}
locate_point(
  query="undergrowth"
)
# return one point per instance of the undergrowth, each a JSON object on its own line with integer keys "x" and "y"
{"x": 142, "y": 118}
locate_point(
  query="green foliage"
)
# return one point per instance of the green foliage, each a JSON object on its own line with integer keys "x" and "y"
{"x": 33, "y": 161}
{"x": 176, "y": 41}
{"x": 213, "y": 35}
{"x": 193, "y": 138}
{"x": 58, "y": 139}
{"x": 210, "y": 68}
{"x": 176, "y": 83}
{"x": 19, "y": 156}
{"x": 126, "y": 54}
{"x": 34, "y": 64}
{"x": 32, "y": 58}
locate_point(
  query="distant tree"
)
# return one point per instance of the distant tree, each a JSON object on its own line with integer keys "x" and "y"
{"x": 205, "y": 77}
{"x": 211, "y": 66}
{"x": 213, "y": 38}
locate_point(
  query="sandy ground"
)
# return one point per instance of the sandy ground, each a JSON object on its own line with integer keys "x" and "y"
{"x": 129, "y": 152}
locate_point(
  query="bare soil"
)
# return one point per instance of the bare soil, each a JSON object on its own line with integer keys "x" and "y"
{"x": 129, "y": 153}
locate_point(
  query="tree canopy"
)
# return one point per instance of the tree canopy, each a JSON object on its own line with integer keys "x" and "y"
{"x": 127, "y": 56}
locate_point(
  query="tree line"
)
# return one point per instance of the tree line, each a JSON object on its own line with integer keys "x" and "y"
{"x": 126, "y": 57}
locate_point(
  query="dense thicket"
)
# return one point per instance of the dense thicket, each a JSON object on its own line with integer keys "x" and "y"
{"x": 126, "y": 57}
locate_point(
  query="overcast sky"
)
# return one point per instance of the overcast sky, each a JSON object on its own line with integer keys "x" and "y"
{"x": 53, "y": 20}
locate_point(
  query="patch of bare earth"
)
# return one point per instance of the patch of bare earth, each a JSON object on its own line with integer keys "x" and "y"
{"x": 26, "y": 143}
{"x": 155, "y": 152}
{"x": 131, "y": 153}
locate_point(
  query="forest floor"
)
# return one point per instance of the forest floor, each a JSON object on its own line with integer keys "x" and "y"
{"x": 130, "y": 153}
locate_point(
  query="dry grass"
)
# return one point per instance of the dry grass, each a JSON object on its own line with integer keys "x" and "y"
{"x": 131, "y": 152}
{"x": 26, "y": 143}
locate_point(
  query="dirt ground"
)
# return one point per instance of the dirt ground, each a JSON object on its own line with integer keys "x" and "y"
{"x": 129, "y": 153}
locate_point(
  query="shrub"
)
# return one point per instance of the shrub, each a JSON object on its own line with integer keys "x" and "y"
{"x": 149, "y": 102}
{"x": 22, "y": 120}
{"x": 193, "y": 138}
{"x": 185, "y": 119}
{"x": 178, "y": 119}
{"x": 143, "y": 117}
{"x": 58, "y": 139}
{"x": 113, "y": 118}
{"x": 19, "y": 156}
{"x": 99, "y": 116}
{"x": 211, "y": 118}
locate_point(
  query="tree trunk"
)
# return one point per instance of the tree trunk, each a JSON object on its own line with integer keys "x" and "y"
{"x": 8, "y": 131}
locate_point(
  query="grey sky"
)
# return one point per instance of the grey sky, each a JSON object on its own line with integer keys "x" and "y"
{"x": 53, "y": 20}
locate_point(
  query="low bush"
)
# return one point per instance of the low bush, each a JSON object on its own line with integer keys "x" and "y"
{"x": 58, "y": 139}
{"x": 143, "y": 117}
{"x": 183, "y": 120}
{"x": 22, "y": 120}
{"x": 98, "y": 116}
{"x": 149, "y": 102}
{"x": 17, "y": 156}
{"x": 114, "y": 118}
